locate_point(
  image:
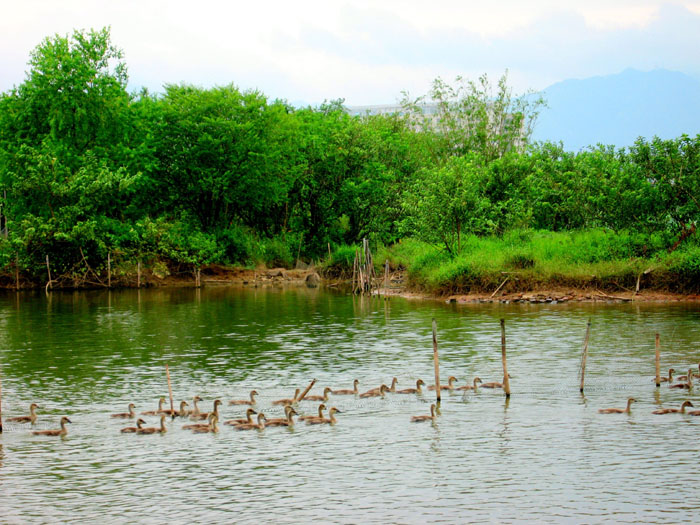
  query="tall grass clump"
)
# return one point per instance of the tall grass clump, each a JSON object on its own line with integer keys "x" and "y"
{"x": 538, "y": 259}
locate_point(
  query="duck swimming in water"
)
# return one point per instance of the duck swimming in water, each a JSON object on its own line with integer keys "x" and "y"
{"x": 376, "y": 391}
{"x": 371, "y": 393}
{"x": 211, "y": 428}
{"x": 193, "y": 426}
{"x": 470, "y": 387}
{"x": 130, "y": 430}
{"x": 493, "y": 384}
{"x": 283, "y": 422}
{"x": 31, "y": 418}
{"x": 618, "y": 410}
{"x": 323, "y": 398}
{"x": 253, "y": 426}
{"x": 205, "y": 415}
{"x": 431, "y": 417}
{"x": 417, "y": 390}
{"x": 345, "y": 392}
{"x": 321, "y": 408}
{"x": 248, "y": 419}
{"x": 668, "y": 379}
{"x": 688, "y": 384}
{"x": 673, "y": 410}
{"x": 129, "y": 414}
{"x": 330, "y": 420}
{"x": 154, "y": 430}
{"x": 59, "y": 432}
{"x": 252, "y": 401}
{"x": 161, "y": 402}
{"x": 449, "y": 386}
{"x": 288, "y": 401}
{"x": 183, "y": 412}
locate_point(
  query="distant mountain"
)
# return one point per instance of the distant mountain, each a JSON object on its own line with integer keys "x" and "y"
{"x": 616, "y": 109}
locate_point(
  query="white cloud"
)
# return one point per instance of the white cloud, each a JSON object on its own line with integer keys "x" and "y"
{"x": 364, "y": 51}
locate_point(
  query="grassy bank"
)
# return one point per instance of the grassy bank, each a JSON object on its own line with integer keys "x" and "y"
{"x": 536, "y": 260}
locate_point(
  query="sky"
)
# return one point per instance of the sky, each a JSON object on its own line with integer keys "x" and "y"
{"x": 364, "y": 51}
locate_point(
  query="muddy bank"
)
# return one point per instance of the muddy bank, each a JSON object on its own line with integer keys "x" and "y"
{"x": 547, "y": 296}
{"x": 163, "y": 276}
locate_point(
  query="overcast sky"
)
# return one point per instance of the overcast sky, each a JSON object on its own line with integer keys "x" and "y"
{"x": 364, "y": 51}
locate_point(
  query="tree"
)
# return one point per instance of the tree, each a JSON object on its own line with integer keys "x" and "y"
{"x": 473, "y": 117}
{"x": 444, "y": 203}
{"x": 62, "y": 133}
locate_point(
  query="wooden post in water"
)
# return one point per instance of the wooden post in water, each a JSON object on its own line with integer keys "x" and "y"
{"x": 138, "y": 274}
{"x": 109, "y": 269}
{"x": 436, "y": 362}
{"x": 306, "y": 391}
{"x": 658, "y": 361}
{"x": 506, "y": 380}
{"x": 48, "y": 269}
{"x": 170, "y": 391}
{"x": 584, "y": 355}
{"x": 17, "y": 273}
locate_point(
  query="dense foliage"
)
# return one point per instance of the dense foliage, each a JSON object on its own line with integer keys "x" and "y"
{"x": 196, "y": 176}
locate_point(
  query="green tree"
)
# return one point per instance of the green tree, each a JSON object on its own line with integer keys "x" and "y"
{"x": 444, "y": 203}
{"x": 472, "y": 116}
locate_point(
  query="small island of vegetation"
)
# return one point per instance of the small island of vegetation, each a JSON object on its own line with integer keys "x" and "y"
{"x": 192, "y": 178}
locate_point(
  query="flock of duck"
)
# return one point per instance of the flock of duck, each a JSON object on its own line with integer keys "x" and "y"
{"x": 207, "y": 422}
{"x": 685, "y": 383}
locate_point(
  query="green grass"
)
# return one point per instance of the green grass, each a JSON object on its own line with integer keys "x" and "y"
{"x": 539, "y": 260}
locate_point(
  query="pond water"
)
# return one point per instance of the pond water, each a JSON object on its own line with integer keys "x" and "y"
{"x": 546, "y": 454}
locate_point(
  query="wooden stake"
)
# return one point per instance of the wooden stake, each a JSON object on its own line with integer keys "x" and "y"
{"x": 436, "y": 361}
{"x": 506, "y": 380}
{"x": 17, "y": 273}
{"x": 109, "y": 269}
{"x": 658, "y": 362}
{"x": 584, "y": 355}
{"x": 138, "y": 274}
{"x": 303, "y": 394}
{"x": 386, "y": 276}
{"x": 170, "y": 391}
{"x": 48, "y": 269}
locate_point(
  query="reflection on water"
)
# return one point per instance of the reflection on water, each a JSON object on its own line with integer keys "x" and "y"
{"x": 545, "y": 454}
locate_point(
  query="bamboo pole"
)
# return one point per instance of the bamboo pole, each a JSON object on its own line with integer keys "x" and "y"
{"x": 48, "y": 269}
{"x": 436, "y": 362}
{"x": 658, "y": 362}
{"x": 109, "y": 269}
{"x": 584, "y": 355}
{"x": 170, "y": 391}
{"x": 506, "y": 380}
{"x": 306, "y": 391}
{"x": 138, "y": 274}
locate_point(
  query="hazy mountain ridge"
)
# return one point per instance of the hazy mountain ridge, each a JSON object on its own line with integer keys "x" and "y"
{"x": 616, "y": 109}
